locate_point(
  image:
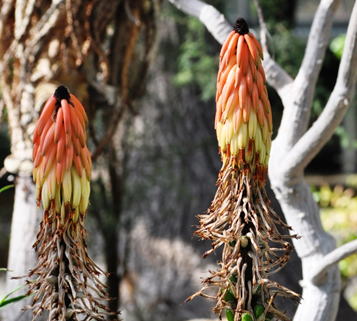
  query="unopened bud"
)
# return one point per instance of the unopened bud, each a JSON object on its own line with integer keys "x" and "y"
{"x": 246, "y": 317}
{"x": 69, "y": 314}
{"x": 52, "y": 279}
{"x": 244, "y": 241}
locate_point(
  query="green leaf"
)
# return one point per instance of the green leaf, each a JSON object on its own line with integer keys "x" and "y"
{"x": 4, "y": 301}
{"x": 183, "y": 78}
{"x": 247, "y": 317}
{"x": 229, "y": 315}
{"x": 337, "y": 45}
{"x": 233, "y": 278}
{"x": 258, "y": 310}
{"x": 3, "y": 189}
{"x": 229, "y": 297}
{"x": 3, "y": 269}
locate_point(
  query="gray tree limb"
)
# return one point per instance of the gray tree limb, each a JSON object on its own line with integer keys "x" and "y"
{"x": 305, "y": 81}
{"x": 215, "y": 22}
{"x": 333, "y": 258}
{"x": 218, "y": 26}
{"x": 297, "y": 103}
{"x": 323, "y": 128}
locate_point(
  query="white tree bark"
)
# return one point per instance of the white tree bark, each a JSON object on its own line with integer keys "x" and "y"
{"x": 305, "y": 81}
{"x": 25, "y": 222}
{"x": 332, "y": 258}
{"x": 339, "y": 101}
{"x": 288, "y": 161}
{"x": 320, "y": 302}
{"x": 208, "y": 15}
{"x": 295, "y": 146}
{"x": 26, "y": 215}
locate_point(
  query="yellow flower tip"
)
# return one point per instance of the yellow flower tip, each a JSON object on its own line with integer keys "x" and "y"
{"x": 60, "y": 155}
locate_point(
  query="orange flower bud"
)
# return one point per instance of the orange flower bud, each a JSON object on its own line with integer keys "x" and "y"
{"x": 60, "y": 149}
{"x": 242, "y": 97}
{"x": 62, "y": 169}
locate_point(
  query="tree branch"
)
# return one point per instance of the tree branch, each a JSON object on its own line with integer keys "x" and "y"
{"x": 323, "y": 128}
{"x": 333, "y": 258}
{"x": 214, "y": 21}
{"x": 217, "y": 25}
{"x": 305, "y": 82}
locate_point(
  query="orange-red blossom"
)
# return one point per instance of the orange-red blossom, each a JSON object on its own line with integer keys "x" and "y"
{"x": 65, "y": 280}
{"x": 62, "y": 161}
{"x": 243, "y": 119}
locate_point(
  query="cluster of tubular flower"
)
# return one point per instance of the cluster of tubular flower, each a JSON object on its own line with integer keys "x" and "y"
{"x": 243, "y": 114}
{"x": 240, "y": 218}
{"x": 65, "y": 282}
{"x": 62, "y": 162}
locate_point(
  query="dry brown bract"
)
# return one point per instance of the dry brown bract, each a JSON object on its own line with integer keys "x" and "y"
{"x": 66, "y": 281}
{"x": 241, "y": 220}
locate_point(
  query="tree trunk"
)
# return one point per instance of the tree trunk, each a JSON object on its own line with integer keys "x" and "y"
{"x": 112, "y": 262}
{"x": 320, "y": 300}
{"x": 25, "y": 222}
{"x": 26, "y": 216}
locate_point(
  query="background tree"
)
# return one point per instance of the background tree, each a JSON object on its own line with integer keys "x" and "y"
{"x": 101, "y": 51}
{"x": 296, "y": 144}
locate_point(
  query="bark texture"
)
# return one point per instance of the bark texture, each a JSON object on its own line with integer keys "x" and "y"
{"x": 101, "y": 51}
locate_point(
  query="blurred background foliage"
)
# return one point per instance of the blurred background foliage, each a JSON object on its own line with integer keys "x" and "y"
{"x": 171, "y": 162}
{"x": 338, "y": 211}
{"x": 195, "y": 64}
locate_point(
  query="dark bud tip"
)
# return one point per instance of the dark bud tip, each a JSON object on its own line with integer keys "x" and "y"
{"x": 241, "y": 26}
{"x": 62, "y": 93}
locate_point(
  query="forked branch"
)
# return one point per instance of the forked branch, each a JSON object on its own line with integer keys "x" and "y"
{"x": 333, "y": 258}
{"x": 305, "y": 81}
{"x": 316, "y": 45}
{"x": 323, "y": 128}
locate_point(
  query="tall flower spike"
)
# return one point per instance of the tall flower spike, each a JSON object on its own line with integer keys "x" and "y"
{"x": 240, "y": 217}
{"x": 65, "y": 281}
